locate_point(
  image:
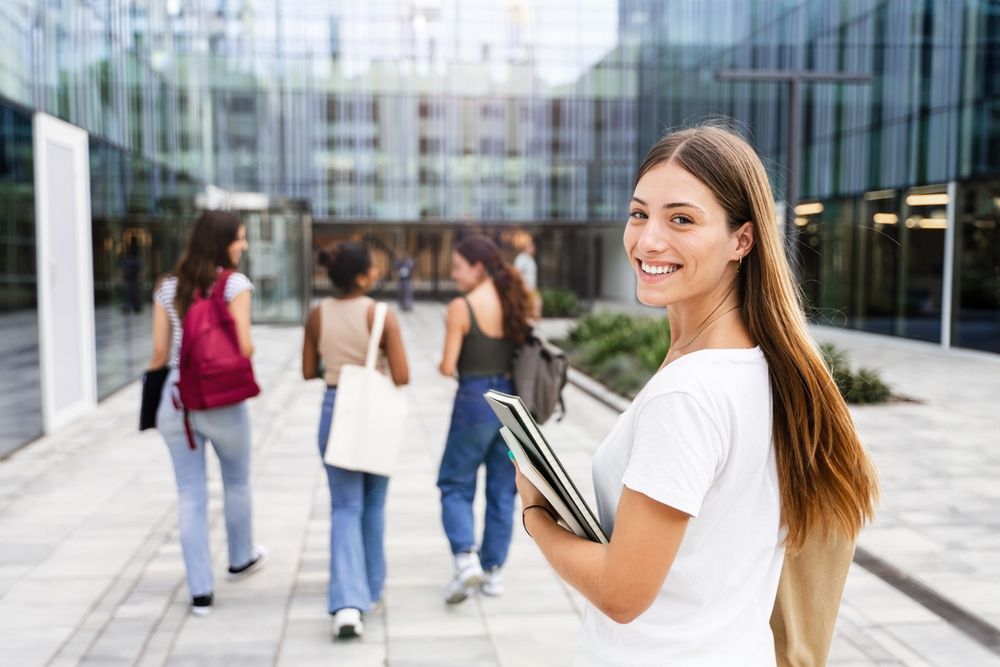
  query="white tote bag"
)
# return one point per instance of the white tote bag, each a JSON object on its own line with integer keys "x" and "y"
{"x": 369, "y": 414}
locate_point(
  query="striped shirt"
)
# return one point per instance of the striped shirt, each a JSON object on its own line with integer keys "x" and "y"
{"x": 167, "y": 291}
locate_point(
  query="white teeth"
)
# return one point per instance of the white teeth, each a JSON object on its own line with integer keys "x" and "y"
{"x": 657, "y": 270}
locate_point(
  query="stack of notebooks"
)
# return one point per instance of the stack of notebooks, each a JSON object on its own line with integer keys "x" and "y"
{"x": 539, "y": 463}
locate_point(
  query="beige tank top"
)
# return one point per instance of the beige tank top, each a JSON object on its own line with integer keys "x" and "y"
{"x": 343, "y": 335}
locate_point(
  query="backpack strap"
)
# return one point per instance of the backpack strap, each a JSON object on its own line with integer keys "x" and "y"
{"x": 219, "y": 288}
{"x": 378, "y": 324}
{"x": 175, "y": 397}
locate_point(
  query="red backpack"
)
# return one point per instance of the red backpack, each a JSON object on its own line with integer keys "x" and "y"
{"x": 213, "y": 371}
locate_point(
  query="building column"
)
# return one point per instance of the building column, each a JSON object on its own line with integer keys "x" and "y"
{"x": 949, "y": 265}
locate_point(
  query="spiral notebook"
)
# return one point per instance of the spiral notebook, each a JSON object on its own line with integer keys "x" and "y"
{"x": 539, "y": 463}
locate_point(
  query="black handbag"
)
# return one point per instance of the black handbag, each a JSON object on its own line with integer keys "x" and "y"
{"x": 152, "y": 389}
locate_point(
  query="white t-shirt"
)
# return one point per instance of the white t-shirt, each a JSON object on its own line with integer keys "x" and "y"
{"x": 165, "y": 293}
{"x": 526, "y": 266}
{"x": 698, "y": 438}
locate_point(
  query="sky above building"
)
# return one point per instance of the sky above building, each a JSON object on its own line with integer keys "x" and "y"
{"x": 563, "y": 38}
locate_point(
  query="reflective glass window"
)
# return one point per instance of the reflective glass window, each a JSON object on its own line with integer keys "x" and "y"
{"x": 20, "y": 379}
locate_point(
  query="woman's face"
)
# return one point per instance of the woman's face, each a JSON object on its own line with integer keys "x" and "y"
{"x": 239, "y": 246}
{"x": 465, "y": 275}
{"x": 678, "y": 239}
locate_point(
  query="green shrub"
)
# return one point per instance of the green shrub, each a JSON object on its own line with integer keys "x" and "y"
{"x": 619, "y": 350}
{"x": 623, "y": 352}
{"x": 600, "y": 337}
{"x": 623, "y": 374}
{"x": 865, "y": 386}
{"x": 868, "y": 387}
{"x": 598, "y": 325}
{"x": 560, "y": 303}
{"x": 836, "y": 361}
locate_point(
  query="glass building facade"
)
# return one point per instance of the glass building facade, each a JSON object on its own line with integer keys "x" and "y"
{"x": 20, "y": 376}
{"x": 896, "y": 225}
{"x": 401, "y": 121}
{"x": 387, "y": 110}
{"x": 409, "y": 122}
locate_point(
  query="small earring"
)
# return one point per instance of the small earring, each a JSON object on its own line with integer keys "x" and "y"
{"x": 739, "y": 263}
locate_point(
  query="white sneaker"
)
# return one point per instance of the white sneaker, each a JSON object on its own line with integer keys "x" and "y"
{"x": 457, "y": 591}
{"x": 492, "y": 583}
{"x": 468, "y": 574}
{"x": 347, "y": 624}
{"x": 467, "y": 568}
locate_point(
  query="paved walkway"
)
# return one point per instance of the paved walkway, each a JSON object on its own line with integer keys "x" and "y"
{"x": 90, "y": 567}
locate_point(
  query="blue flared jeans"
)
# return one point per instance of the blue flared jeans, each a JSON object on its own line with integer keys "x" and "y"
{"x": 357, "y": 527}
{"x": 473, "y": 440}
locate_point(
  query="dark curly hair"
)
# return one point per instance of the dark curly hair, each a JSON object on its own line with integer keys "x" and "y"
{"x": 345, "y": 263}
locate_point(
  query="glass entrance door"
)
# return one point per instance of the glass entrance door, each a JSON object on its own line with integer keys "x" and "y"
{"x": 278, "y": 261}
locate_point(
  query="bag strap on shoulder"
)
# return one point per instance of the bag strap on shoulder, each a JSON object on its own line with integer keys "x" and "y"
{"x": 219, "y": 288}
{"x": 378, "y": 324}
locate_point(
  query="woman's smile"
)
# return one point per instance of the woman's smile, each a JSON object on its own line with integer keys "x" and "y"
{"x": 652, "y": 272}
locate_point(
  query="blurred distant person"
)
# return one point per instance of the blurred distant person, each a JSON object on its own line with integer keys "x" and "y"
{"x": 404, "y": 270}
{"x": 528, "y": 268}
{"x": 482, "y": 331}
{"x": 131, "y": 268}
{"x": 215, "y": 245}
{"x": 337, "y": 333}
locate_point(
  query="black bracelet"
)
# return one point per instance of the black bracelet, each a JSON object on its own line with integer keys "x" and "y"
{"x": 541, "y": 507}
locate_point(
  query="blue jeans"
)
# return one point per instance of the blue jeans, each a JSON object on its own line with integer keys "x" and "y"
{"x": 473, "y": 440}
{"x": 357, "y": 527}
{"x": 228, "y": 429}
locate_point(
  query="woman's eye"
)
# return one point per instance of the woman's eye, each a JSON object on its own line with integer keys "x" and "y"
{"x": 683, "y": 220}
{"x": 637, "y": 215}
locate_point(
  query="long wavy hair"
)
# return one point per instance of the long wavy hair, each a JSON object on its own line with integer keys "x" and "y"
{"x": 207, "y": 248}
{"x": 827, "y": 481}
{"x": 514, "y": 298}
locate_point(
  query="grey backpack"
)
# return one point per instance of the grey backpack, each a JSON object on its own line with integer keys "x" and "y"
{"x": 539, "y": 372}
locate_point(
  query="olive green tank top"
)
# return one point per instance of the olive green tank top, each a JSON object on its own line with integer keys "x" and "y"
{"x": 481, "y": 354}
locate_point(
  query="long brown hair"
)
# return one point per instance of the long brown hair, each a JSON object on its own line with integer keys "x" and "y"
{"x": 514, "y": 298}
{"x": 827, "y": 481}
{"x": 207, "y": 248}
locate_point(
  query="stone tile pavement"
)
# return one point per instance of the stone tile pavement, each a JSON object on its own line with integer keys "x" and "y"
{"x": 90, "y": 567}
{"x": 939, "y": 461}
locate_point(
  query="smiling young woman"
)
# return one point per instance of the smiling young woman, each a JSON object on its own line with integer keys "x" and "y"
{"x": 738, "y": 449}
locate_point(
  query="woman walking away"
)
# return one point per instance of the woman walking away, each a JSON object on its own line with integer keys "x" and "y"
{"x": 337, "y": 332}
{"x": 482, "y": 330}
{"x": 738, "y": 448}
{"x": 214, "y": 247}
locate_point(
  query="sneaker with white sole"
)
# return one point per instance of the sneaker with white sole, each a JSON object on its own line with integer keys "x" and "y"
{"x": 347, "y": 624}
{"x": 467, "y": 568}
{"x": 468, "y": 574}
{"x": 245, "y": 570}
{"x": 457, "y": 591}
{"x": 201, "y": 605}
{"x": 492, "y": 583}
